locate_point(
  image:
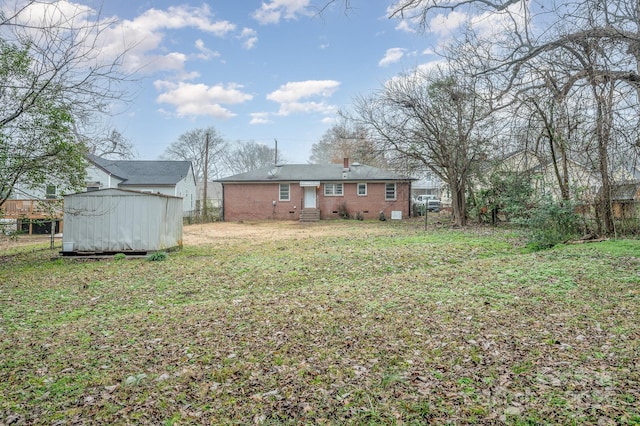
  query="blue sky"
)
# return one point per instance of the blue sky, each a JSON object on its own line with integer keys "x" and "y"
{"x": 255, "y": 70}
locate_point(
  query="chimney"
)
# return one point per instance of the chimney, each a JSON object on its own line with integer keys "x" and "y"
{"x": 346, "y": 164}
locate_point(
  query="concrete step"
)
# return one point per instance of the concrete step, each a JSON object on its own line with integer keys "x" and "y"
{"x": 309, "y": 215}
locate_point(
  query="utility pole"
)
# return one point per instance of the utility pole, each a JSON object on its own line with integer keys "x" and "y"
{"x": 206, "y": 176}
{"x": 275, "y": 159}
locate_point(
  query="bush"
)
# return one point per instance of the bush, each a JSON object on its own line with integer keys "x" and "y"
{"x": 343, "y": 212}
{"x": 119, "y": 256}
{"x": 507, "y": 196}
{"x": 157, "y": 256}
{"x": 552, "y": 223}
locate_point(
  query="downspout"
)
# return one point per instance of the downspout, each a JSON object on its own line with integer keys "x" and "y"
{"x": 409, "y": 200}
{"x": 222, "y": 207}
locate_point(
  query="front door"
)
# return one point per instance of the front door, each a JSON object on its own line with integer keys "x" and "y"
{"x": 309, "y": 197}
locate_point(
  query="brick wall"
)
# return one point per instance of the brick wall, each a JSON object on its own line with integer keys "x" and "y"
{"x": 254, "y": 201}
{"x": 370, "y": 205}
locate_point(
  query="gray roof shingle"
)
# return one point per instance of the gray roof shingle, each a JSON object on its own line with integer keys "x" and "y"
{"x": 135, "y": 172}
{"x": 315, "y": 172}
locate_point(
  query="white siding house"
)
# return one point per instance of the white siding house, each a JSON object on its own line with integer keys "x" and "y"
{"x": 175, "y": 178}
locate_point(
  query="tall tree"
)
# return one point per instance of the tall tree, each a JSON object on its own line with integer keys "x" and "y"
{"x": 52, "y": 75}
{"x": 191, "y": 146}
{"x": 594, "y": 43}
{"x": 112, "y": 145}
{"x": 36, "y": 144}
{"x": 434, "y": 118}
{"x": 247, "y": 156}
{"x": 347, "y": 140}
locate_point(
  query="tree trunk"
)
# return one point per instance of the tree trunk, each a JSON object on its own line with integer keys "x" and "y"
{"x": 458, "y": 202}
{"x": 603, "y": 133}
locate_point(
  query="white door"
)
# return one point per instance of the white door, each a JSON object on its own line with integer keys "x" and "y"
{"x": 309, "y": 197}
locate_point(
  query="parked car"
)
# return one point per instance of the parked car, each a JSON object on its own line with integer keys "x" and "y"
{"x": 430, "y": 201}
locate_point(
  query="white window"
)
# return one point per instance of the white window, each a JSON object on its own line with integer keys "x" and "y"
{"x": 390, "y": 191}
{"x": 333, "y": 189}
{"x": 284, "y": 192}
{"x": 51, "y": 191}
{"x": 362, "y": 189}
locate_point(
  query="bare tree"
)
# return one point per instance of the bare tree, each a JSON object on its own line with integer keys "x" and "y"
{"x": 434, "y": 118}
{"x": 112, "y": 145}
{"x": 53, "y": 74}
{"x": 594, "y": 43}
{"x": 247, "y": 156}
{"x": 347, "y": 140}
{"x": 191, "y": 146}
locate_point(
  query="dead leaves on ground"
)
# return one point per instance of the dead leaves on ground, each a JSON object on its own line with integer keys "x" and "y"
{"x": 383, "y": 327}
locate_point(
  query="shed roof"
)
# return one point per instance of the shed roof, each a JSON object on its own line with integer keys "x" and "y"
{"x": 134, "y": 172}
{"x": 315, "y": 172}
{"x": 625, "y": 191}
{"x": 118, "y": 192}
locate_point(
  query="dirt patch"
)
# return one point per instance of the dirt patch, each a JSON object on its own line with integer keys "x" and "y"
{"x": 252, "y": 232}
{"x": 194, "y": 235}
{"x": 26, "y": 240}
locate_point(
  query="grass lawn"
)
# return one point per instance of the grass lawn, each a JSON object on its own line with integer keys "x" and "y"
{"x": 329, "y": 323}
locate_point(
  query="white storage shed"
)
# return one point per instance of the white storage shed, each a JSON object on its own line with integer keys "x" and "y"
{"x": 121, "y": 221}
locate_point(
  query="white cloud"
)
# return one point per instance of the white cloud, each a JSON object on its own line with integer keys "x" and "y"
{"x": 61, "y": 13}
{"x": 177, "y": 17}
{"x": 405, "y": 26}
{"x": 260, "y": 118}
{"x": 249, "y": 37}
{"x": 145, "y": 34}
{"x": 289, "y": 108}
{"x": 191, "y": 100}
{"x": 294, "y": 97}
{"x": 446, "y": 25}
{"x": 275, "y": 10}
{"x": 140, "y": 39}
{"x": 294, "y": 91}
{"x": 392, "y": 55}
{"x": 205, "y": 52}
{"x": 487, "y": 24}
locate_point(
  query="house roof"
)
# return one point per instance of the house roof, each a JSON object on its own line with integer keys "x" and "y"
{"x": 625, "y": 191}
{"x": 315, "y": 172}
{"x": 134, "y": 172}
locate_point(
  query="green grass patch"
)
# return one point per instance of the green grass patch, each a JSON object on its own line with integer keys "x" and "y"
{"x": 365, "y": 323}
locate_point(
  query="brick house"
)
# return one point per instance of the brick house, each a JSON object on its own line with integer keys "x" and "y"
{"x": 309, "y": 192}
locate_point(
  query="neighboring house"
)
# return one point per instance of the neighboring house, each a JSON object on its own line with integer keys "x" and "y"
{"x": 175, "y": 178}
{"x": 583, "y": 182}
{"x": 519, "y": 162}
{"x": 309, "y": 192}
{"x": 428, "y": 184}
{"x": 625, "y": 199}
{"x": 214, "y": 195}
